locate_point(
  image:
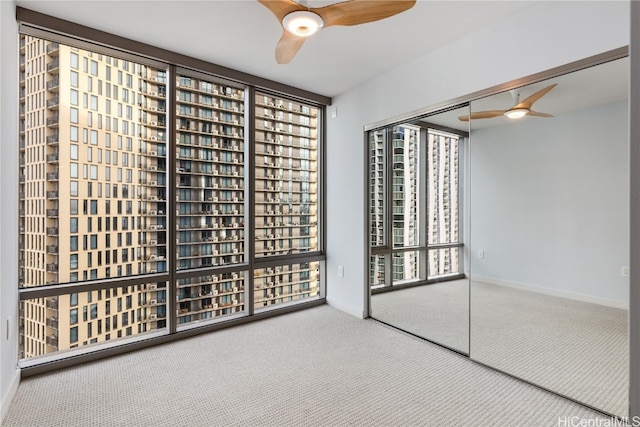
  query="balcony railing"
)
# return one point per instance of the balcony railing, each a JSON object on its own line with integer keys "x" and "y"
{"x": 52, "y": 213}
{"x": 52, "y": 341}
{"x": 52, "y": 121}
{"x": 52, "y": 268}
{"x": 52, "y": 249}
{"x": 52, "y": 158}
{"x": 53, "y": 48}
{"x": 53, "y": 102}
{"x": 52, "y": 176}
{"x": 52, "y": 84}
{"x": 53, "y": 139}
{"x": 52, "y": 194}
{"x": 53, "y": 65}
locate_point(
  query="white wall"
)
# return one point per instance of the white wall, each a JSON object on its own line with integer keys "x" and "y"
{"x": 550, "y": 204}
{"x": 549, "y": 34}
{"x": 8, "y": 207}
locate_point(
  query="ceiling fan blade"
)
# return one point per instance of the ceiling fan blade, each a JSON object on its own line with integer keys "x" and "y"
{"x": 287, "y": 47}
{"x": 527, "y": 103}
{"x": 482, "y": 115}
{"x": 356, "y": 12}
{"x": 281, "y": 8}
{"x": 537, "y": 114}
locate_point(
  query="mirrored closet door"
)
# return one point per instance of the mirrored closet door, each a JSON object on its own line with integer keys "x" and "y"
{"x": 500, "y": 229}
{"x": 550, "y": 235}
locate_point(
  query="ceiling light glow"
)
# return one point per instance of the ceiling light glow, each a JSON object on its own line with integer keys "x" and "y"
{"x": 516, "y": 113}
{"x": 302, "y": 23}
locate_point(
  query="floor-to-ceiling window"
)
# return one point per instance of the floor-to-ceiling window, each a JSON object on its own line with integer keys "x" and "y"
{"x": 156, "y": 199}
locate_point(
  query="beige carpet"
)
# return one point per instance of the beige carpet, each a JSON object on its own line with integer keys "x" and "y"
{"x": 577, "y": 349}
{"x": 574, "y": 348}
{"x": 318, "y": 367}
{"x": 438, "y": 312}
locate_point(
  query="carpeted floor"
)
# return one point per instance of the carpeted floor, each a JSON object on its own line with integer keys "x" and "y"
{"x": 438, "y": 312}
{"x": 574, "y": 348}
{"x": 317, "y": 367}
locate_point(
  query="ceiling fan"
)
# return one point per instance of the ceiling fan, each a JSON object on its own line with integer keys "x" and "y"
{"x": 299, "y": 21}
{"x": 519, "y": 109}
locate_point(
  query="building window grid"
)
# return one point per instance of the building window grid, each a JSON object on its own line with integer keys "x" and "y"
{"x": 230, "y": 128}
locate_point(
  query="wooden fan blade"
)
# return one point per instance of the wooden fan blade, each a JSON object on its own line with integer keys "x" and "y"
{"x": 482, "y": 115}
{"x": 356, "y": 12}
{"x": 537, "y": 114}
{"x": 527, "y": 103}
{"x": 287, "y": 47}
{"x": 281, "y": 8}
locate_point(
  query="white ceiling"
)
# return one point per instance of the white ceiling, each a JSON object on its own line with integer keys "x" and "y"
{"x": 242, "y": 35}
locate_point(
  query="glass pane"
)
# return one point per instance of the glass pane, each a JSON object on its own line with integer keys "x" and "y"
{"x": 208, "y": 297}
{"x": 405, "y": 185}
{"x": 286, "y": 171}
{"x": 377, "y": 275}
{"x": 424, "y": 171}
{"x": 550, "y": 236}
{"x": 68, "y": 321}
{"x": 406, "y": 266}
{"x": 442, "y": 187}
{"x": 377, "y": 189}
{"x": 444, "y": 262}
{"x": 210, "y": 178}
{"x": 153, "y": 168}
{"x": 286, "y": 283}
{"x": 92, "y": 182}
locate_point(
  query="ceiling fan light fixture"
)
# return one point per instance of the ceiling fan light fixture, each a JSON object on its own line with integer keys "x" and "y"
{"x": 302, "y": 23}
{"x": 516, "y": 113}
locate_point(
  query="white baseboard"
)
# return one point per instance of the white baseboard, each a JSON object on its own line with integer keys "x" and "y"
{"x": 552, "y": 292}
{"x": 8, "y": 397}
{"x": 354, "y": 311}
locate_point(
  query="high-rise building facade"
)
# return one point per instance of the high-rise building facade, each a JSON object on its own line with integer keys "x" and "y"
{"x": 80, "y": 213}
{"x": 100, "y": 183}
{"x": 406, "y": 188}
{"x": 443, "y": 206}
{"x": 377, "y": 206}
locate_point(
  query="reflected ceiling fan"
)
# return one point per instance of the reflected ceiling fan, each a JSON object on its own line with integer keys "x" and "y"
{"x": 519, "y": 109}
{"x": 299, "y": 22}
